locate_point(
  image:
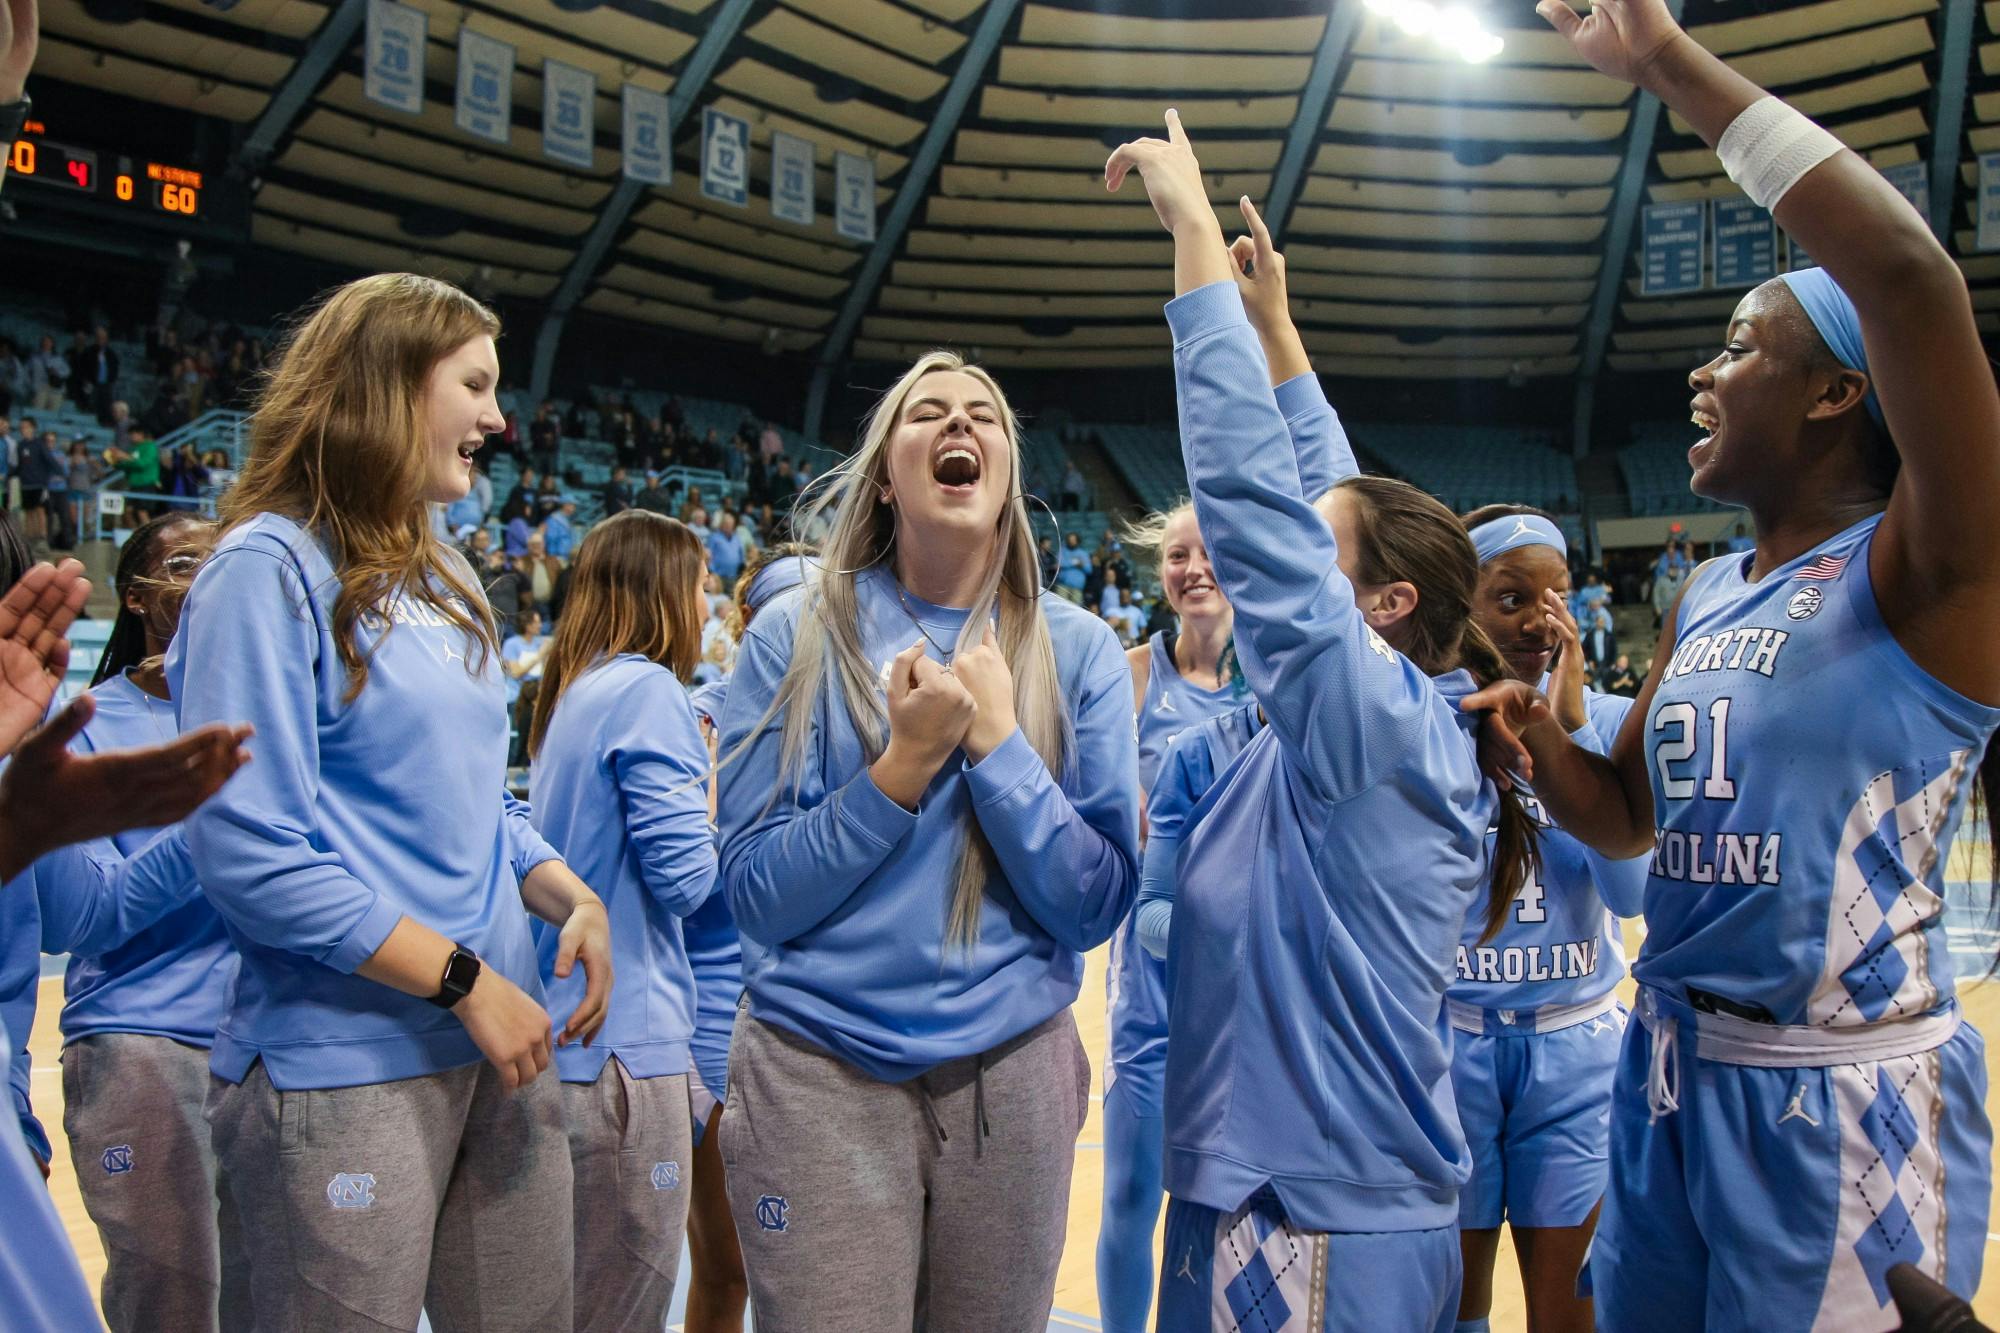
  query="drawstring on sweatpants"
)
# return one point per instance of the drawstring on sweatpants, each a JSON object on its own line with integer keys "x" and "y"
{"x": 936, "y": 1121}
{"x": 1663, "y": 1071}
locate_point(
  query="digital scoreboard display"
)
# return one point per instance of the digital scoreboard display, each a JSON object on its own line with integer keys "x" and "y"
{"x": 121, "y": 181}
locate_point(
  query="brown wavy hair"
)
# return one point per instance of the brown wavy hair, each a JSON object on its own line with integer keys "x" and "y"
{"x": 339, "y": 444}
{"x": 1406, "y": 535}
{"x": 635, "y": 588}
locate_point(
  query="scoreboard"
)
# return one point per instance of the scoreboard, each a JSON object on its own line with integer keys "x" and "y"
{"x": 114, "y": 180}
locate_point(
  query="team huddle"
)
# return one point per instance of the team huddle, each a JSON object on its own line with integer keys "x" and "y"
{"x": 801, "y": 947}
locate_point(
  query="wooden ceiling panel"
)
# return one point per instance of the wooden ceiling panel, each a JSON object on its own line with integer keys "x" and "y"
{"x": 753, "y": 230}
{"x": 886, "y": 25}
{"x": 1829, "y": 56}
{"x": 1714, "y": 309}
{"x": 1339, "y": 192}
{"x": 830, "y": 49}
{"x": 889, "y": 328}
{"x": 1048, "y": 26}
{"x": 1435, "y": 164}
{"x": 314, "y": 208}
{"x": 645, "y": 282}
{"x": 758, "y": 82}
{"x": 1734, "y": 36}
{"x": 1155, "y": 279}
{"x": 1178, "y": 72}
{"x": 942, "y": 304}
{"x": 286, "y": 18}
{"x": 345, "y": 92}
{"x": 167, "y": 44}
{"x": 371, "y": 139}
{"x": 1128, "y": 212}
{"x": 1452, "y": 80}
{"x": 278, "y": 233}
{"x": 1203, "y": 115}
{"x": 1423, "y": 120}
{"x": 661, "y": 47}
{"x": 695, "y": 257}
{"x": 996, "y": 148}
{"x": 1437, "y": 297}
{"x": 1437, "y": 264}
{"x": 1895, "y": 127}
{"x": 344, "y": 169}
{"x": 147, "y": 82}
{"x": 1077, "y": 187}
{"x": 1157, "y": 250}
{"x": 671, "y": 315}
{"x": 1539, "y": 45}
{"x": 1468, "y": 228}
{"x": 1903, "y": 81}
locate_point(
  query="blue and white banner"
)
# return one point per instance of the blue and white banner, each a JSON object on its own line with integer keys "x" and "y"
{"x": 646, "y": 154}
{"x": 569, "y": 114}
{"x": 393, "y": 73}
{"x": 1746, "y": 243}
{"x": 1673, "y": 248}
{"x": 854, "y": 197}
{"x": 1914, "y": 180}
{"x": 1989, "y": 201}
{"x": 485, "y": 85}
{"x": 791, "y": 178}
{"x": 725, "y": 158}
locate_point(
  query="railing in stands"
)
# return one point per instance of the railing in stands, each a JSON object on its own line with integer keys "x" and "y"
{"x": 111, "y": 504}
{"x": 219, "y": 428}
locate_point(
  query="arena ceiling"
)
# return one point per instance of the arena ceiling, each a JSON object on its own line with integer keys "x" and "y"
{"x": 1448, "y": 219}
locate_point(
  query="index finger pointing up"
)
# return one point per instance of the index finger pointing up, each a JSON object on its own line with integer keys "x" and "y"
{"x": 1175, "y": 134}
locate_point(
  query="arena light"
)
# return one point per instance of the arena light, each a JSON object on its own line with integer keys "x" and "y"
{"x": 1455, "y": 28}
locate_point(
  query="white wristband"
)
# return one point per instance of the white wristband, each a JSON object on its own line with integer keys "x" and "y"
{"x": 1769, "y": 147}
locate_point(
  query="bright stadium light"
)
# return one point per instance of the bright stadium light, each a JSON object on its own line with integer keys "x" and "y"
{"x": 1456, "y": 28}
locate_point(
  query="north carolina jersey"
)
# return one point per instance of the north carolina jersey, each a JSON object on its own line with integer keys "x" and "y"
{"x": 1807, "y": 780}
{"x": 1172, "y": 705}
{"x": 1559, "y": 944}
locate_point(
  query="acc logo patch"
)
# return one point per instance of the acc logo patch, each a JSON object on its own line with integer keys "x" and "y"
{"x": 1805, "y": 603}
{"x": 351, "y": 1189}
{"x": 118, "y": 1160}
{"x": 1379, "y": 645}
{"x": 666, "y": 1175}
{"x": 772, "y": 1212}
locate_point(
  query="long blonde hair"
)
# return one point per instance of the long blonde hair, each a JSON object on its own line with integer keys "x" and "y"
{"x": 827, "y": 640}
{"x": 339, "y": 444}
{"x": 635, "y": 588}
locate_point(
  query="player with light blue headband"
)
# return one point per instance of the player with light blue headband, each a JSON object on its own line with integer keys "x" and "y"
{"x": 1535, "y": 1017}
{"x": 1314, "y": 1156}
{"x": 718, "y": 1291}
{"x": 1801, "y": 1105}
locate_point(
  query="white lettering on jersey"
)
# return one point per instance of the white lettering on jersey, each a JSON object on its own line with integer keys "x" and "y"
{"x": 1532, "y": 962}
{"x": 1731, "y": 858}
{"x": 1750, "y": 649}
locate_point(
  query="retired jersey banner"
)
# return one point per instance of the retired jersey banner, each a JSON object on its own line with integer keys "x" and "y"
{"x": 1914, "y": 180}
{"x": 725, "y": 158}
{"x": 1746, "y": 243}
{"x": 791, "y": 178}
{"x": 854, "y": 197}
{"x": 1989, "y": 201}
{"x": 485, "y": 106}
{"x": 645, "y": 155}
{"x": 569, "y": 114}
{"x": 393, "y": 73}
{"x": 1673, "y": 249}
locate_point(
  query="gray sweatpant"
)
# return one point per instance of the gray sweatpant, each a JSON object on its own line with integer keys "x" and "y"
{"x": 631, "y": 1148}
{"x": 939, "y": 1203}
{"x": 363, "y": 1206}
{"x": 173, "y": 1253}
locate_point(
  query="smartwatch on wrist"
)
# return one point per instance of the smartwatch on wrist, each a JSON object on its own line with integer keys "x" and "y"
{"x": 460, "y": 972}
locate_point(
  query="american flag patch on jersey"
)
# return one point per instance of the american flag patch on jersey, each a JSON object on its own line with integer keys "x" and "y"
{"x": 1825, "y": 568}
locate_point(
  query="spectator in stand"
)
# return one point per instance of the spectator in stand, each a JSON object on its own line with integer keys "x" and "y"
{"x": 617, "y": 493}
{"x": 184, "y": 477}
{"x": 98, "y": 369}
{"x": 803, "y": 477}
{"x": 474, "y": 543}
{"x": 1593, "y": 594}
{"x": 1073, "y": 568}
{"x": 736, "y": 461}
{"x": 521, "y": 668}
{"x": 1669, "y": 572}
{"x": 61, "y": 536}
{"x": 482, "y": 492}
{"x": 1111, "y": 601}
{"x": 121, "y": 423}
{"x": 545, "y": 437}
{"x": 1621, "y": 679}
{"x": 1741, "y": 541}
{"x": 727, "y": 550}
{"x": 521, "y": 499}
{"x": 655, "y": 498}
{"x": 548, "y": 499}
{"x": 783, "y": 487}
{"x": 542, "y": 570}
{"x": 770, "y": 444}
{"x": 466, "y": 510}
{"x": 1600, "y": 644}
{"x": 13, "y": 376}
{"x": 1075, "y": 490}
{"x": 10, "y": 452}
{"x": 138, "y": 469}
{"x": 48, "y": 373}
{"x": 1160, "y": 618}
{"x": 83, "y": 475}
{"x": 559, "y": 531}
{"x": 507, "y": 590}
{"x": 35, "y": 466}
{"x": 695, "y": 515}
{"x": 1045, "y": 553}
{"x": 514, "y": 537}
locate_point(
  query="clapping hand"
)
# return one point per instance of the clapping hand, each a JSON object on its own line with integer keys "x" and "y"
{"x": 19, "y": 32}
{"x": 35, "y": 614}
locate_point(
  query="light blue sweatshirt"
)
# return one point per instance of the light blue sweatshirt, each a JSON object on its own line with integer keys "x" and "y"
{"x": 171, "y": 979}
{"x": 20, "y": 976}
{"x": 842, "y": 896}
{"x": 714, "y": 949}
{"x": 1322, "y": 893}
{"x": 619, "y": 788}
{"x": 1559, "y": 943}
{"x": 1194, "y": 760}
{"x": 41, "y": 1285}
{"x": 354, "y": 815}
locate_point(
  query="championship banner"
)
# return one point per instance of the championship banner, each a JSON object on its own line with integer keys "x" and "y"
{"x": 725, "y": 158}
{"x": 485, "y": 107}
{"x": 1673, "y": 249}
{"x": 569, "y": 114}
{"x": 1746, "y": 243}
{"x": 791, "y": 178}
{"x": 854, "y": 197}
{"x": 393, "y": 72}
{"x": 644, "y": 142}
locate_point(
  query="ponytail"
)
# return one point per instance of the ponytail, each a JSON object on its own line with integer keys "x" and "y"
{"x": 1517, "y": 846}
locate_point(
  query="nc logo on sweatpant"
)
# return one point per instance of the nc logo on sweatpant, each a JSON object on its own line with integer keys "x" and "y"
{"x": 666, "y": 1175}
{"x": 771, "y": 1212}
{"x": 118, "y": 1160}
{"x": 350, "y": 1189}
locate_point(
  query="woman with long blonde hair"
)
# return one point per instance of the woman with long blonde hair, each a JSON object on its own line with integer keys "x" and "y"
{"x": 375, "y": 1104}
{"x": 929, "y": 810}
{"x": 618, "y": 784}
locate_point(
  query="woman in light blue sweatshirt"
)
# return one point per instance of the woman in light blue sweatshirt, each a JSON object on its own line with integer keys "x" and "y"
{"x": 372, "y": 870}
{"x": 1313, "y": 1151}
{"x": 139, "y": 1018}
{"x": 618, "y": 785}
{"x": 929, "y": 811}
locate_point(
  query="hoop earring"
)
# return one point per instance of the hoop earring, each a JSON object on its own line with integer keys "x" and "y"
{"x": 1042, "y": 586}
